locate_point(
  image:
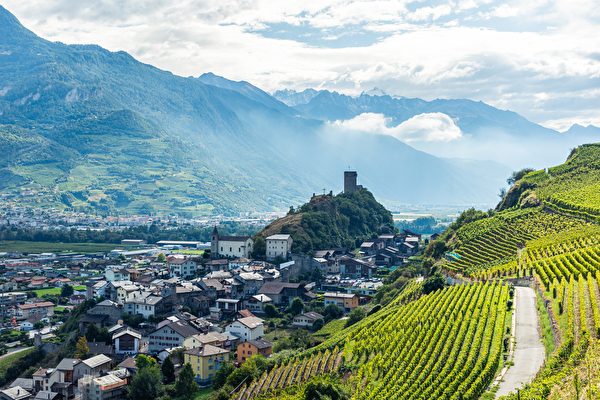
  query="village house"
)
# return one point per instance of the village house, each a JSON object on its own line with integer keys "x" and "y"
{"x": 106, "y": 387}
{"x": 127, "y": 342}
{"x": 284, "y": 293}
{"x": 144, "y": 304}
{"x": 183, "y": 268}
{"x": 199, "y": 340}
{"x": 43, "y": 379}
{"x": 252, "y": 348}
{"x": 279, "y": 246}
{"x": 171, "y": 335}
{"x": 356, "y": 268}
{"x": 256, "y": 303}
{"x": 249, "y": 328}
{"x": 92, "y": 366}
{"x": 216, "y": 265}
{"x": 116, "y": 275}
{"x": 306, "y": 319}
{"x": 206, "y": 361}
{"x": 345, "y": 301}
{"x": 45, "y": 308}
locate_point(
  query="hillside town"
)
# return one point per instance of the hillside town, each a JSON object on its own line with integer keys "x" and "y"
{"x": 211, "y": 308}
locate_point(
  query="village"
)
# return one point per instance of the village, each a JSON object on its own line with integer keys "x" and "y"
{"x": 155, "y": 301}
{"x": 182, "y": 302}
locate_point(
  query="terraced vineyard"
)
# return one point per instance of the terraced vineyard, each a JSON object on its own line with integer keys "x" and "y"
{"x": 446, "y": 345}
{"x": 495, "y": 240}
{"x": 573, "y": 186}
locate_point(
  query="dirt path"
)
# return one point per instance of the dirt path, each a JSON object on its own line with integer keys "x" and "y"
{"x": 529, "y": 350}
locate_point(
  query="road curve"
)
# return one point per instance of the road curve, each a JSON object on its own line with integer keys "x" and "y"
{"x": 529, "y": 351}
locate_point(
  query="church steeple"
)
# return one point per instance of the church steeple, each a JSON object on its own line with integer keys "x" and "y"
{"x": 214, "y": 244}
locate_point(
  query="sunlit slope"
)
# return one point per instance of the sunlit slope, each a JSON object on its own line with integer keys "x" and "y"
{"x": 573, "y": 186}
{"x": 446, "y": 345}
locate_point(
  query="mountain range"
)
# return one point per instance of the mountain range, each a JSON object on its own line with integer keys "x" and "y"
{"x": 100, "y": 131}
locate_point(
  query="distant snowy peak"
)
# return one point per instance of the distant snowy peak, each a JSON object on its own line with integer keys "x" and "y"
{"x": 374, "y": 92}
{"x": 292, "y": 98}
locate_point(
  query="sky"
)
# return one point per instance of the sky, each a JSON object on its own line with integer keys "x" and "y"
{"x": 536, "y": 57}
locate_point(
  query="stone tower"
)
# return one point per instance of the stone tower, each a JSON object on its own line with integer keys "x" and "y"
{"x": 214, "y": 243}
{"x": 350, "y": 181}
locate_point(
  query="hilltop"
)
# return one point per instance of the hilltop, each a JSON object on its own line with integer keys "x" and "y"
{"x": 328, "y": 221}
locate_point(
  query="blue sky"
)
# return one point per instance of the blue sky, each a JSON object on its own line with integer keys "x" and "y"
{"x": 538, "y": 58}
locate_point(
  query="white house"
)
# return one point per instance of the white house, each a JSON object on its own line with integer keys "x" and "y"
{"x": 114, "y": 275}
{"x": 249, "y": 328}
{"x": 26, "y": 326}
{"x": 257, "y": 303}
{"x": 279, "y": 246}
{"x": 307, "y": 319}
{"x": 183, "y": 268}
{"x": 127, "y": 342}
{"x": 144, "y": 304}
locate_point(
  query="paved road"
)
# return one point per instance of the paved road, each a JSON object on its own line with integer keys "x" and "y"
{"x": 529, "y": 349}
{"x": 12, "y": 351}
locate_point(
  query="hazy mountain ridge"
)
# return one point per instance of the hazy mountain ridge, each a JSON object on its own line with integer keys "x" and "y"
{"x": 179, "y": 145}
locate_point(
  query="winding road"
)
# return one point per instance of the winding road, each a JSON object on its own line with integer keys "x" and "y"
{"x": 529, "y": 350}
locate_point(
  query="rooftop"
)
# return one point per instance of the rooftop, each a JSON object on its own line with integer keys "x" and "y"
{"x": 206, "y": 350}
{"x": 96, "y": 361}
{"x": 260, "y": 343}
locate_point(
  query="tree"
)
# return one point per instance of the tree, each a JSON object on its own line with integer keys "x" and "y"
{"x": 518, "y": 175}
{"x": 122, "y": 258}
{"x": 259, "y": 248}
{"x": 297, "y": 306}
{"x": 355, "y": 316}
{"x": 221, "y": 376}
{"x": 168, "y": 369}
{"x": 147, "y": 382}
{"x": 38, "y": 325}
{"x": 433, "y": 283}
{"x": 103, "y": 336}
{"x": 82, "y": 349}
{"x": 186, "y": 386}
{"x": 142, "y": 361}
{"x": 332, "y": 311}
{"x": 270, "y": 310}
{"x": 318, "y": 324}
{"x": 66, "y": 290}
{"x": 92, "y": 332}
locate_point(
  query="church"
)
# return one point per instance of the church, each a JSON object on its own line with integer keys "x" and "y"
{"x": 230, "y": 246}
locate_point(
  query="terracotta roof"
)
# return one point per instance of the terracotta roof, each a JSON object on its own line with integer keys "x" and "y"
{"x": 35, "y": 305}
{"x": 245, "y": 313}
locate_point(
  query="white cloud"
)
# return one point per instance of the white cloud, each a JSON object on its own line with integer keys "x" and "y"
{"x": 443, "y": 48}
{"x": 426, "y": 127}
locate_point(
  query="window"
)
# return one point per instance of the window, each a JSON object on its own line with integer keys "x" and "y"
{"x": 210, "y": 367}
{"x": 198, "y": 368}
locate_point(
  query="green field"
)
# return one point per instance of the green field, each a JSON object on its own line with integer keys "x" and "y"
{"x": 192, "y": 252}
{"x": 47, "y": 247}
{"x": 41, "y": 292}
{"x": 9, "y": 360}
